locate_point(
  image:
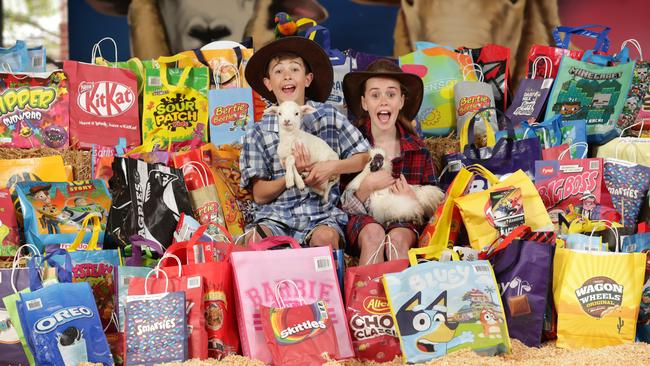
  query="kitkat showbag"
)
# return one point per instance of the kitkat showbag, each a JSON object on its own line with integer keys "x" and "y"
{"x": 443, "y": 307}
{"x": 313, "y": 271}
{"x": 103, "y": 105}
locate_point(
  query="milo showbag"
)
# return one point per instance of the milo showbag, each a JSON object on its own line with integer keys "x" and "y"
{"x": 443, "y": 307}
{"x": 175, "y": 104}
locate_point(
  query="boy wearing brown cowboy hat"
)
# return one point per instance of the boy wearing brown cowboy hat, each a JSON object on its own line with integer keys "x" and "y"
{"x": 297, "y": 69}
{"x": 386, "y": 100}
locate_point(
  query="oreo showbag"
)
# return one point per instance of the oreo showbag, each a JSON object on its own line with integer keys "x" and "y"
{"x": 62, "y": 326}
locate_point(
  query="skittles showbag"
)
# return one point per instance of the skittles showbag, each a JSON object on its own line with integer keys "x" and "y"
{"x": 175, "y": 104}
{"x": 374, "y": 336}
{"x": 34, "y": 110}
{"x": 54, "y": 212}
{"x": 62, "y": 326}
{"x": 443, "y": 307}
{"x": 300, "y": 335}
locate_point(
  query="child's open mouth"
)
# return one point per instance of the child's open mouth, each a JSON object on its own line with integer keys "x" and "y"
{"x": 288, "y": 89}
{"x": 384, "y": 116}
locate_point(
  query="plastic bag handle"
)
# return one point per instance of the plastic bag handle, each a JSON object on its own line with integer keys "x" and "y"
{"x": 175, "y": 257}
{"x": 518, "y": 232}
{"x": 63, "y": 274}
{"x": 163, "y": 61}
{"x": 156, "y": 270}
{"x": 599, "y": 32}
{"x": 636, "y": 45}
{"x": 97, "y": 228}
{"x": 274, "y": 241}
{"x": 97, "y": 49}
{"x": 568, "y": 150}
{"x": 137, "y": 243}
{"x": 280, "y": 300}
{"x": 16, "y": 260}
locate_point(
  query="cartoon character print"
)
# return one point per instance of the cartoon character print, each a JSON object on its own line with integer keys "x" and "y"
{"x": 570, "y": 108}
{"x": 644, "y": 312}
{"x": 491, "y": 324}
{"x": 428, "y": 329}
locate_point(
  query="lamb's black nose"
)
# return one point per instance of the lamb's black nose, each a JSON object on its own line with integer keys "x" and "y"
{"x": 376, "y": 163}
{"x": 207, "y": 35}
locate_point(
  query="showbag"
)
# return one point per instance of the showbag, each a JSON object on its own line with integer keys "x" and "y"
{"x": 103, "y": 105}
{"x": 461, "y": 310}
{"x": 34, "y": 111}
{"x": 628, "y": 184}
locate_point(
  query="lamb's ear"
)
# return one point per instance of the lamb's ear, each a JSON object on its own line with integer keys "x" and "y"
{"x": 306, "y": 109}
{"x": 273, "y": 110}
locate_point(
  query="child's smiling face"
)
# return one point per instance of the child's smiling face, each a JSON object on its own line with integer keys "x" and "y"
{"x": 382, "y": 99}
{"x": 288, "y": 78}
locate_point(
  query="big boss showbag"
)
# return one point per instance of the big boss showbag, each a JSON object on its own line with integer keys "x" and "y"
{"x": 34, "y": 110}
{"x": 443, "y": 307}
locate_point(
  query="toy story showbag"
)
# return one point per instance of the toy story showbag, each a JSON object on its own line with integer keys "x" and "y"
{"x": 103, "y": 105}
{"x": 298, "y": 334}
{"x": 591, "y": 92}
{"x": 54, "y": 212}
{"x": 231, "y": 109}
{"x": 442, "y": 307}
{"x": 597, "y": 297}
{"x": 640, "y": 243}
{"x": 374, "y": 335}
{"x": 60, "y": 320}
{"x": 175, "y": 103}
{"x": 34, "y": 110}
{"x": 440, "y": 69}
{"x": 156, "y": 330}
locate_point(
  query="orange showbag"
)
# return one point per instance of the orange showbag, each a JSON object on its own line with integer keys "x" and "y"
{"x": 46, "y": 169}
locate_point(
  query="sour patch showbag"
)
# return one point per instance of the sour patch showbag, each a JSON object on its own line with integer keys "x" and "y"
{"x": 34, "y": 111}
{"x": 62, "y": 326}
{"x": 54, "y": 212}
{"x": 442, "y": 307}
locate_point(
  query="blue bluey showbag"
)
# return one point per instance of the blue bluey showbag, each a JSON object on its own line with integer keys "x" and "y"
{"x": 443, "y": 307}
{"x": 61, "y": 322}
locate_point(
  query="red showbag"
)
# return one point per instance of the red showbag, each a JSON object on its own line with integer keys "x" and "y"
{"x": 103, "y": 105}
{"x": 494, "y": 61}
{"x": 192, "y": 285}
{"x": 201, "y": 259}
{"x": 374, "y": 337}
{"x": 298, "y": 335}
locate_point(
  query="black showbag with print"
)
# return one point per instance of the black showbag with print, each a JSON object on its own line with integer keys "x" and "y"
{"x": 150, "y": 199}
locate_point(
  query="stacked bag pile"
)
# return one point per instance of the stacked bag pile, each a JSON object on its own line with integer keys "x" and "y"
{"x": 542, "y": 235}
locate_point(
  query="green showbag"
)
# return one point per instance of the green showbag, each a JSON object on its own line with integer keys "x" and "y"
{"x": 440, "y": 69}
{"x": 12, "y": 310}
{"x": 586, "y": 91}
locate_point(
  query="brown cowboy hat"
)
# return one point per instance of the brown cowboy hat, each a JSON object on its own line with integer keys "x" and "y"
{"x": 313, "y": 55}
{"x": 36, "y": 189}
{"x": 353, "y": 86}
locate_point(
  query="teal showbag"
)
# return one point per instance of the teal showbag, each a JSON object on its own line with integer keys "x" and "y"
{"x": 591, "y": 92}
{"x": 230, "y": 110}
{"x": 443, "y": 307}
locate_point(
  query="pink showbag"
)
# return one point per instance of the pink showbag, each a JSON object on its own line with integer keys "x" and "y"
{"x": 256, "y": 274}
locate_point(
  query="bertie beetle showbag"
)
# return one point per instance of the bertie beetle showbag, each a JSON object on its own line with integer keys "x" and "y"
{"x": 54, "y": 212}
{"x": 175, "y": 104}
{"x": 34, "y": 110}
{"x": 442, "y": 307}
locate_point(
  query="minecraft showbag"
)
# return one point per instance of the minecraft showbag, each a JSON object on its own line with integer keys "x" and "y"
{"x": 175, "y": 104}
{"x": 443, "y": 307}
{"x": 34, "y": 111}
{"x": 586, "y": 91}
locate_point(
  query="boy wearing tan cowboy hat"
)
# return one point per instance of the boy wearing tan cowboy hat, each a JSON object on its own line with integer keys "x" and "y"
{"x": 297, "y": 69}
{"x": 386, "y": 100}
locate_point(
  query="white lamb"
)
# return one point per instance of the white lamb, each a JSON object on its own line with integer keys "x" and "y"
{"x": 290, "y": 120}
{"x": 386, "y": 206}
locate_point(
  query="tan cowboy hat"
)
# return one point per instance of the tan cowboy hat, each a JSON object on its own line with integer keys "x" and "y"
{"x": 39, "y": 188}
{"x": 313, "y": 55}
{"x": 353, "y": 86}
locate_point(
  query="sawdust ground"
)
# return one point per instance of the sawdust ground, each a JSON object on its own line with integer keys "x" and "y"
{"x": 547, "y": 355}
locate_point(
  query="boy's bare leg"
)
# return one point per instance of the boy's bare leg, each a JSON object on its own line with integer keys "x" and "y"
{"x": 324, "y": 235}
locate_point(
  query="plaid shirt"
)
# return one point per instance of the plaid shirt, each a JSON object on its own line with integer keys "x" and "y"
{"x": 414, "y": 162}
{"x": 297, "y": 209}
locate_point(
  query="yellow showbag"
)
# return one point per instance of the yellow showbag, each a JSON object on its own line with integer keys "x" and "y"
{"x": 499, "y": 209}
{"x": 46, "y": 169}
{"x": 597, "y": 297}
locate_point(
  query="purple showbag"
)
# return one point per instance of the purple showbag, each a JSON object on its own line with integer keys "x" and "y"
{"x": 523, "y": 270}
{"x": 361, "y": 60}
{"x": 508, "y": 155}
{"x": 10, "y": 347}
{"x": 530, "y": 99}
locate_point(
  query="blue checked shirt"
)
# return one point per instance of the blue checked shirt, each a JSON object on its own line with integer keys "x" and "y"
{"x": 299, "y": 210}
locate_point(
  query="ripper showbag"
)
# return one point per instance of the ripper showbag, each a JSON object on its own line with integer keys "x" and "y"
{"x": 374, "y": 336}
{"x": 299, "y": 335}
{"x": 34, "y": 111}
{"x": 54, "y": 211}
{"x": 175, "y": 104}
{"x": 62, "y": 326}
{"x": 443, "y": 307}
{"x": 156, "y": 330}
{"x": 103, "y": 105}
{"x": 597, "y": 297}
